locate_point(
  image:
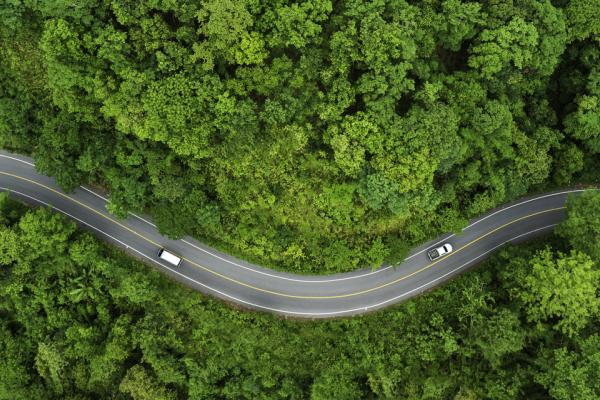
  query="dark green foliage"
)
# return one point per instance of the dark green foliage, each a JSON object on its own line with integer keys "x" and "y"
{"x": 310, "y": 135}
{"x": 78, "y": 320}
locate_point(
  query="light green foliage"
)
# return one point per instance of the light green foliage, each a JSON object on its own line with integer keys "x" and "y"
{"x": 584, "y": 124}
{"x": 582, "y": 226}
{"x": 571, "y": 162}
{"x": 227, "y": 27}
{"x": 171, "y": 107}
{"x": 298, "y": 24}
{"x": 562, "y": 287}
{"x": 508, "y": 46}
{"x": 50, "y": 365}
{"x": 44, "y": 233}
{"x": 140, "y": 386}
{"x": 9, "y": 246}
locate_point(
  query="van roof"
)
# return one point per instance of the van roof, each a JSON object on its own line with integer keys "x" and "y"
{"x": 170, "y": 257}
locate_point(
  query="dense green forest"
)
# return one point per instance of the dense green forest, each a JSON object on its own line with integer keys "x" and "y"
{"x": 79, "y": 320}
{"x": 314, "y": 135}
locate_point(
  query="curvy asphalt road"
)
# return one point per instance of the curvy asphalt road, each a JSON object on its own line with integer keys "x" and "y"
{"x": 212, "y": 272}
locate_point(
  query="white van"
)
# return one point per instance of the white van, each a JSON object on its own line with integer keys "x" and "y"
{"x": 169, "y": 257}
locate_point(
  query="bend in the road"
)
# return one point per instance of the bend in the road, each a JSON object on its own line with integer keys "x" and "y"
{"x": 211, "y": 271}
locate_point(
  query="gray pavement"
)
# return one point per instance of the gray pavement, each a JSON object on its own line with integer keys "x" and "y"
{"x": 221, "y": 275}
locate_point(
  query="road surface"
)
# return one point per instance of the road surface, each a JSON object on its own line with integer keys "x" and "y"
{"x": 221, "y": 275}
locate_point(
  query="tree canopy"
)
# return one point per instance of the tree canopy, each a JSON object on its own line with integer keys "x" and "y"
{"x": 79, "y": 320}
{"x": 305, "y": 135}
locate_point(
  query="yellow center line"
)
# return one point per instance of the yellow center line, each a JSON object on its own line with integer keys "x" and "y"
{"x": 270, "y": 291}
{"x": 81, "y": 204}
{"x": 449, "y": 255}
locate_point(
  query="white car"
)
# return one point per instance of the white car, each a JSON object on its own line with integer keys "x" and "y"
{"x": 439, "y": 251}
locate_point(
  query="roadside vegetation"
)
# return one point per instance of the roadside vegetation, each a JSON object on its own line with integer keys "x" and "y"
{"x": 79, "y": 320}
{"x": 310, "y": 136}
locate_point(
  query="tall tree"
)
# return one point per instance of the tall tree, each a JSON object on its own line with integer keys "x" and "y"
{"x": 562, "y": 290}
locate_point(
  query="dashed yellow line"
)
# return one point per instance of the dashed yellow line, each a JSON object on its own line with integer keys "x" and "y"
{"x": 428, "y": 266}
{"x": 449, "y": 255}
{"x": 142, "y": 236}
